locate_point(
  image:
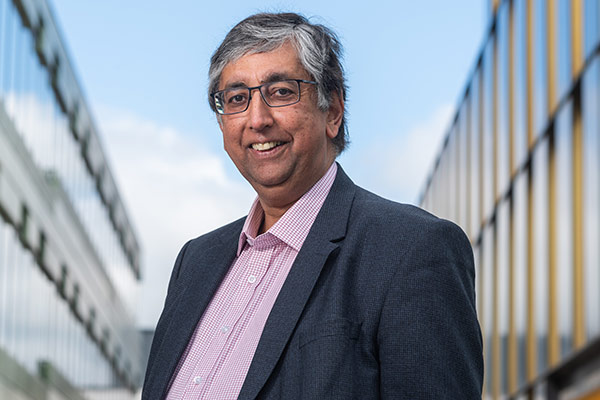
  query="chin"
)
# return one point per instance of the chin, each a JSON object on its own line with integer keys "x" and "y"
{"x": 269, "y": 183}
{"x": 269, "y": 178}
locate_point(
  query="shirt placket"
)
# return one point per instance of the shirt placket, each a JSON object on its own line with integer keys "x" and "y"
{"x": 260, "y": 254}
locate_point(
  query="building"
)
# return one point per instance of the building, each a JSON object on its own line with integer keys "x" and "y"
{"x": 520, "y": 172}
{"x": 69, "y": 258}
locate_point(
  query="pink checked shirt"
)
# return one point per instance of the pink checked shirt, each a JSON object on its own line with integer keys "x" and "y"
{"x": 217, "y": 359}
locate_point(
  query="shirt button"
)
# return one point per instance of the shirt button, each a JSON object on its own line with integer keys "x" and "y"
{"x": 198, "y": 380}
{"x": 224, "y": 329}
{"x": 252, "y": 279}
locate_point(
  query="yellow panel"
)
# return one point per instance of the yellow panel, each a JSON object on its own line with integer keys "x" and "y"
{"x": 495, "y": 4}
{"x": 576, "y": 36}
{"x": 593, "y": 395}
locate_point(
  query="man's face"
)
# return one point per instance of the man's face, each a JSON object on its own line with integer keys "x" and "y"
{"x": 282, "y": 151}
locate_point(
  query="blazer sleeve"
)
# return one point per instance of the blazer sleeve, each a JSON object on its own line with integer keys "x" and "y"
{"x": 429, "y": 341}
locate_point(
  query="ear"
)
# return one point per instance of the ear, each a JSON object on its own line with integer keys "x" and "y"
{"x": 334, "y": 115}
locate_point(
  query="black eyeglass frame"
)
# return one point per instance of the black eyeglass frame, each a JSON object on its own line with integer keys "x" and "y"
{"x": 259, "y": 87}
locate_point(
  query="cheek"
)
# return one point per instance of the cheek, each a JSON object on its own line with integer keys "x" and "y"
{"x": 303, "y": 122}
{"x": 231, "y": 132}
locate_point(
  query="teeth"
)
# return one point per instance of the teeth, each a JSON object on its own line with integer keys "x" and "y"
{"x": 265, "y": 146}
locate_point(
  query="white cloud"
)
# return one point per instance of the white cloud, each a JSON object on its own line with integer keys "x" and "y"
{"x": 174, "y": 190}
{"x": 407, "y": 159}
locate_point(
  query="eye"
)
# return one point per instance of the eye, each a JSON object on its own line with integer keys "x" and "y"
{"x": 282, "y": 90}
{"x": 236, "y": 97}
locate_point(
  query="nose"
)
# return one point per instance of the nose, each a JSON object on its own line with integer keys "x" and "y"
{"x": 259, "y": 113}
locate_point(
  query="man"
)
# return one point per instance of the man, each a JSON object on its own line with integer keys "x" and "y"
{"x": 324, "y": 291}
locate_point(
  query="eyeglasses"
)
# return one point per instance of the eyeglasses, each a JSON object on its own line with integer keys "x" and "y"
{"x": 275, "y": 94}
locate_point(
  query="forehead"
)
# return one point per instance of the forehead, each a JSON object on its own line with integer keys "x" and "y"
{"x": 256, "y": 68}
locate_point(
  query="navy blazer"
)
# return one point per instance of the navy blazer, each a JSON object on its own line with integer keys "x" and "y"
{"x": 379, "y": 304}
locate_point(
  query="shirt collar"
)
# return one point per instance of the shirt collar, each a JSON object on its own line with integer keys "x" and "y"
{"x": 293, "y": 226}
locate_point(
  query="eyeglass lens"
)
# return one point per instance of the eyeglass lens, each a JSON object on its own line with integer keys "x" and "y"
{"x": 275, "y": 94}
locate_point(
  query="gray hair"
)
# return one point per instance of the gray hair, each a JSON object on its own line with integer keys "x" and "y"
{"x": 319, "y": 50}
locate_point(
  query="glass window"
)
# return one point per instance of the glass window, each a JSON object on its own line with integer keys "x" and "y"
{"x": 468, "y": 199}
{"x": 3, "y": 15}
{"x": 435, "y": 190}
{"x": 591, "y": 13}
{"x": 29, "y": 96}
{"x": 563, "y": 39}
{"x": 488, "y": 178}
{"x": 591, "y": 194}
{"x": 43, "y": 122}
{"x": 451, "y": 170}
{"x": 20, "y": 301}
{"x": 488, "y": 293}
{"x": 6, "y": 37}
{"x": 503, "y": 296}
{"x": 521, "y": 249}
{"x": 503, "y": 144}
{"x": 37, "y": 316}
{"x": 540, "y": 247}
{"x": 540, "y": 391}
{"x": 11, "y": 288}
{"x": 478, "y": 281}
{"x": 19, "y": 78}
{"x": 442, "y": 182}
{"x": 475, "y": 162}
{"x": 463, "y": 157}
{"x": 4, "y": 266}
{"x": 29, "y": 325}
{"x": 564, "y": 225}
{"x": 480, "y": 295}
{"x": 540, "y": 65}
{"x": 10, "y": 62}
{"x": 520, "y": 88}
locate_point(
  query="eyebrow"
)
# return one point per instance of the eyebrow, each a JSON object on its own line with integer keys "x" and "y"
{"x": 234, "y": 85}
{"x": 273, "y": 77}
{"x": 276, "y": 76}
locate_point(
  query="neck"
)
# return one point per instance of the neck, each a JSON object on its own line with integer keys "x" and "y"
{"x": 276, "y": 202}
{"x": 272, "y": 215}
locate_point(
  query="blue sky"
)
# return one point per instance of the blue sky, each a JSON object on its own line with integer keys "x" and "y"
{"x": 143, "y": 66}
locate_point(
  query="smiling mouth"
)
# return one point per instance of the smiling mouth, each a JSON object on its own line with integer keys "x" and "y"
{"x": 266, "y": 146}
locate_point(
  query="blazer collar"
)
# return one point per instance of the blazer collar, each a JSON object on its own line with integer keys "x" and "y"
{"x": 327, "y": 231}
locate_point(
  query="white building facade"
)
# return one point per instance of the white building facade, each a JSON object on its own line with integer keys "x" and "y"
{"x": 69, "y": 258}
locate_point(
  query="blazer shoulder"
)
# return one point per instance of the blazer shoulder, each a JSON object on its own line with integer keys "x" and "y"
{"x": 225, "y": 236}
{"x": 401, "y": 220}
{"x": 223, "y": 233}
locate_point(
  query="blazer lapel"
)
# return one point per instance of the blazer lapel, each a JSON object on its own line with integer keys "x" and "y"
{"x": 328, "y": 229}
{"x": 204, "y": 269}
